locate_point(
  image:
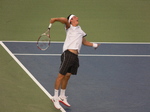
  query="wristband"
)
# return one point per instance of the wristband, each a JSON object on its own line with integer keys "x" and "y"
{"x": 95, "y": 45}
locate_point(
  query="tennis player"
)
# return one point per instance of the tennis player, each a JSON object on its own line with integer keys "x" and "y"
{"x": 75, "y": 37}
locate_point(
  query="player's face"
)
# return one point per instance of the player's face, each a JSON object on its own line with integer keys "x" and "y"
{"x": 74, "y": 20}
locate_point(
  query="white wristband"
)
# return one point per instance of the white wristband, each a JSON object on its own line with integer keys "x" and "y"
{"x": 95, "y": 45}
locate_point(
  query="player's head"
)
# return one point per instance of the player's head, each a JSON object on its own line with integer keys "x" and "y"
{"x": 72, "y": 19}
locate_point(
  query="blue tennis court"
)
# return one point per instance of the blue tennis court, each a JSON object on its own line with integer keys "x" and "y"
{"x": 113, "y": 78}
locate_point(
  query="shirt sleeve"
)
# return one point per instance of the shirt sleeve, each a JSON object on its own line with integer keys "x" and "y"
{"x": 84, "y": 34}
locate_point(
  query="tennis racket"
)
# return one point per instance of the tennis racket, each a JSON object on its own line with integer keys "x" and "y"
{"x": 43, "y": 41}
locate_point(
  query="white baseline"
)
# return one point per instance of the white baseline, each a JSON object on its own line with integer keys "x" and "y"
{"x": 90, "y": 55}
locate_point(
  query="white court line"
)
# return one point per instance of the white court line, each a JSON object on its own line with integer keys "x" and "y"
{"x": 26, "y": 70}
{"x": 90, "y": 55}
{"x": 94, "y": 42}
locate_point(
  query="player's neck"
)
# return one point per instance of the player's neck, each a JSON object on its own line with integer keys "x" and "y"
{"x": 74, "y": 24}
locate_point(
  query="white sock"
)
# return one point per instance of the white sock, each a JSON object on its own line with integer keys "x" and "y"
{"x": 62, "y": 92}
{"x": 56, "y": 93}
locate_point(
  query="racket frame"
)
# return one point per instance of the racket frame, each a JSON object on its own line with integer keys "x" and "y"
{"x": 47, "y": 33}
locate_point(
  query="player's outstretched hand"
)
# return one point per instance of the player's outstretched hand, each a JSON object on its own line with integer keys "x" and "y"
{"x": 97, "y": 46}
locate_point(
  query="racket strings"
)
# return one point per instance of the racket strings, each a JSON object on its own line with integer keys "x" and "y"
{"x": 43, "y": 42}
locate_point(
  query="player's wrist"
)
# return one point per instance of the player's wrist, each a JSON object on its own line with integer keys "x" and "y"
{"x": 95, "y": 45}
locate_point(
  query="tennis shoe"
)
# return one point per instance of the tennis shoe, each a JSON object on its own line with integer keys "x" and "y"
{"x": 56, "y": 103}
{"x": 64, "y": 101}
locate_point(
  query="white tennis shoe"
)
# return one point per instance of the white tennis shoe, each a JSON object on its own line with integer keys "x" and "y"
{"x": 64, "y": 101}
{"x": 56, "y": 103}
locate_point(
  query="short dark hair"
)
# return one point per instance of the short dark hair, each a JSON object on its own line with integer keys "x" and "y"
{"x": 69, "y": 16}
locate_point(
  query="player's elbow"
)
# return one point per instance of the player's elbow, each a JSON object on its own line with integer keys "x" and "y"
{"x": 84, "y": 43}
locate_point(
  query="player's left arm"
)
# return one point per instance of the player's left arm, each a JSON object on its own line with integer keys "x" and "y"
{"x": 87, "y": 43}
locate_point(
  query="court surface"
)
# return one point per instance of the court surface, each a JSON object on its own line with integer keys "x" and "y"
{"x": 113, "y": 78}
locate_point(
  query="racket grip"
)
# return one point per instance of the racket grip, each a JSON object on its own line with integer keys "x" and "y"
{"x": 50, "y": 25}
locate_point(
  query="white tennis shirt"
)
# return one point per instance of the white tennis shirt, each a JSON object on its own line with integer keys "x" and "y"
{"x": 74, "y": 36}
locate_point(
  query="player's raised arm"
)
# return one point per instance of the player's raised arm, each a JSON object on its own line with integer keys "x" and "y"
{"x": 62, "y": 20}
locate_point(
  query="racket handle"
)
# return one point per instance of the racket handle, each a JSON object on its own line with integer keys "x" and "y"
{"x": 50, "y": 25}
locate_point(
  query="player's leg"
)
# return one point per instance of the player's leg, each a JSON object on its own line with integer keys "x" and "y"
{"x": 58, "y": 81}
{"x": 56, "y": 91}
{"x": 64, "y": 83}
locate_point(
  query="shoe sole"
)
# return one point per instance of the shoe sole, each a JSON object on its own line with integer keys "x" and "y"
{"x": 64, "y": 103}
